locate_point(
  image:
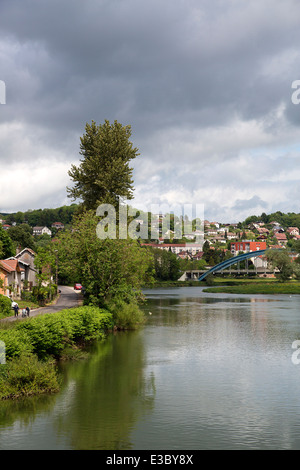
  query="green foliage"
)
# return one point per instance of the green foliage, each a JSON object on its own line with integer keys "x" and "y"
{"x": 209, "y": 280}
{"x": 45, "y": 263}
{"x": 47, "y": 335}
{"x": 281, "y": 261}
{"x": 50, "y": 333}
{"x": 22, "y": 236}
{"x": 27, "y": 375}
{"x": 6, "y": 244}
{"x": 104, "y": 174}
{"x": 17, "y": 342}
{"x": 127, "y": 316}
{"x": 190, "y": 264}
{"x": 106, "y": 268}
{"x": 5, "y": 306}
{"x": 166, "y": 265}
{"x": 296, "y": 270}
{"x": 31, "y": 345}
{"x": 44, "y": 217}
{"x": 286, "y": 220}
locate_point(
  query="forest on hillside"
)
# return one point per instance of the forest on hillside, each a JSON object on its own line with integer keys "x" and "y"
{"x": 42, "y": 217}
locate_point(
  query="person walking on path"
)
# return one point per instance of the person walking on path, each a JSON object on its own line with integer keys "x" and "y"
{"x": 16, "y": 309}
{"x": 27, "y": 311}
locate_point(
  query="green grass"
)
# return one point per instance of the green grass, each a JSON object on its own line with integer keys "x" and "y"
{"x": 242, "y": 285}
{"x": 254, "y": 286}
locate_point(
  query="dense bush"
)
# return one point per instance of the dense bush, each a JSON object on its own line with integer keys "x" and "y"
{"x": 126, "y": 316}
{"x": 27, "y": 375}
{"x": 17, "y": 342}
{"x": 5, "y": 306}
{"x": 47, "y": 335}
{"x": 31, "y": 345}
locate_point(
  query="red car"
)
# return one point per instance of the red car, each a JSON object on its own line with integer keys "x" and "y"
{"x": 77, "y": 286}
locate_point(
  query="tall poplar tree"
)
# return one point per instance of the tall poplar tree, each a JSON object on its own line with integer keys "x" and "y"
{"x": 104, "y": 174}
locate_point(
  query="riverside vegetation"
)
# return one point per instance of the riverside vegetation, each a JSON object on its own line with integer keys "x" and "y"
{"x": 33, "y": 347}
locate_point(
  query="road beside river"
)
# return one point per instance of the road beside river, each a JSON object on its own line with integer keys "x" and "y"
{"x": 68, "y": 298}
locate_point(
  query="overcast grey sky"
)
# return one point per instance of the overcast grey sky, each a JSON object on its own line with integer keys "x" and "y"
{"x": 204, "y": 84}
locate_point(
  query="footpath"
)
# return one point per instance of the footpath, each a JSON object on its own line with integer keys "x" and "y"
{"x": 68, "y": 298}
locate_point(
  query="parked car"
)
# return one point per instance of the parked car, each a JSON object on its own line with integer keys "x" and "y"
{"x": 77, "y": 286}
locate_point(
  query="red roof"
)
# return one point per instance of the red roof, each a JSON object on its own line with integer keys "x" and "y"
{"x": 10, "y": 265}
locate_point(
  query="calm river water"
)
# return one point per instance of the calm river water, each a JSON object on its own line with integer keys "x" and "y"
{"x": 206, "y": 372}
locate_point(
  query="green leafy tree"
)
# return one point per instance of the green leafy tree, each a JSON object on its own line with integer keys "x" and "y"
{"x": 166, "y": 265}
{"x": 6, "y": 244}
{"x": 22, "y": 236}
{"x": 45, "y": 263}
{"x": 280, "y": 259}
{"x": 107, "y": 268}
{"x": 104, "y": 175}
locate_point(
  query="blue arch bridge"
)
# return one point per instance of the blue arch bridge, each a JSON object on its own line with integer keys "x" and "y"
{"x": 229, "y": 262}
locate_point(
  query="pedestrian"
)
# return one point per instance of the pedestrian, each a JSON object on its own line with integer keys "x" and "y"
{"x": 27, "y": 311}
{"x": 24, "y": 312}
{"x": 16, "y": 309}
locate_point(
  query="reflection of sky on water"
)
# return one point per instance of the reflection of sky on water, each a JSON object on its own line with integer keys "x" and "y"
{"x": 206, "y": 372}
{"x": 230, "y": 364}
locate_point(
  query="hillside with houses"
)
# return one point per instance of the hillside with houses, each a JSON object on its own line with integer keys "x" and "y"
{"x": 23, "y": 234}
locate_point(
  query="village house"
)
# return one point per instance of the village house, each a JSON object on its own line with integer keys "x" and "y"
{"x": 177, "y": 248}
{"x": 281, "y": 238}
{"x": 198, "y": 255}
{"x": 10, "y": 275}
{"x": 262, "y": 230}
{"x": 58, "y": 225}
{"x": 211, "y": 232}
{"x": 26, "y": 261}
{"x": 41, "y": 231}
{"x": 293, "y": 231}
{"x": 218, "y": 239}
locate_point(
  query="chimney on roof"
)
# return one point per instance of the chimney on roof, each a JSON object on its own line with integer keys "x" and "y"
{"x": 18, "y": 250}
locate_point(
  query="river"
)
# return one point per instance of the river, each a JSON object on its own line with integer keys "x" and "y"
{"x": 207, "y": 371}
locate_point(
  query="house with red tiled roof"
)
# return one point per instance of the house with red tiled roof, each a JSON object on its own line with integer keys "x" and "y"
{"x": 58, "y": 225}
{"x": 293, "y": 231}
{"x": 26, "y": 259}
{"x": 10, "y": 276}
{"x": 281, "y": 238}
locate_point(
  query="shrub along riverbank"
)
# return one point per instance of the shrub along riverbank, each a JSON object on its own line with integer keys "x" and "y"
{"x": 233, "y": 285}
{"x": 33, "y": 347}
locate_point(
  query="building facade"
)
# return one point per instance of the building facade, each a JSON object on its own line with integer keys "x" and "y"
{"x": 247, "y": 246}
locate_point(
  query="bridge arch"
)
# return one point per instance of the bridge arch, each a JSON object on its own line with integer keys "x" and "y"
{"x": 228, "y": 262}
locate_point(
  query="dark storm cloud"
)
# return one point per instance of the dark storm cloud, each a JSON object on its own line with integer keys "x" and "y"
{"x": 185, "y": 75}
{"x": 149, "y": 58}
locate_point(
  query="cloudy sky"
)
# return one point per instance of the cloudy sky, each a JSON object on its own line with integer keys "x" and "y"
{"x": 206, "y": 86}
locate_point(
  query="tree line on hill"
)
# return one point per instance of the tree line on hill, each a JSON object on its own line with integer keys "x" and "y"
{"x": 42, "y": 217}
{"x": 290, "y": 219}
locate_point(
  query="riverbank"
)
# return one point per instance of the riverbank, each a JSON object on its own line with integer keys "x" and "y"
{"x": 287, "y": 288}
{"x": 253, "y": 286}
{"x": 237, "y": 285}
{"x": 33, "y": 348}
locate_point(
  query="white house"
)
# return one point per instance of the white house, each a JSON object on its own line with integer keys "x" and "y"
{"x": 41, "y": 231}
